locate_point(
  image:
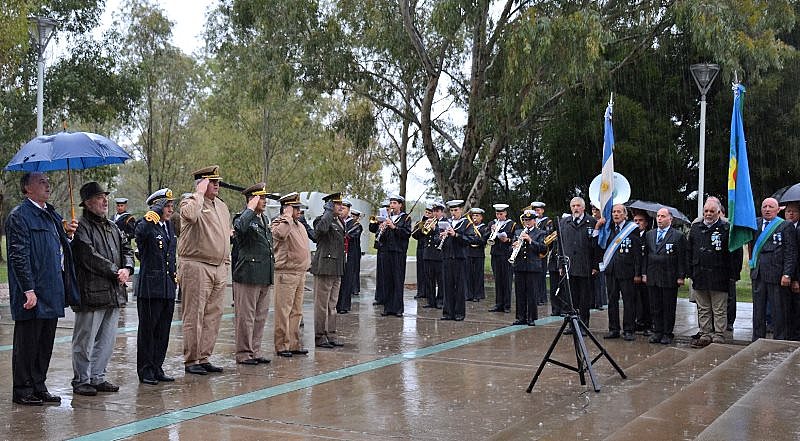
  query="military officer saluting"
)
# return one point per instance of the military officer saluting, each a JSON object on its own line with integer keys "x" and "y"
{"x": 501, "y": 234}
{"x": 125, "y": 221}
{"x": 455, "y": 241}
{"x": 476, "y": 257}
{"x": 528, "y": 265}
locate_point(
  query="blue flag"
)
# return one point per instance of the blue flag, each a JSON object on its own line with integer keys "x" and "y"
{"x": 741, "y": 207}
{"x": 607, "y": 177}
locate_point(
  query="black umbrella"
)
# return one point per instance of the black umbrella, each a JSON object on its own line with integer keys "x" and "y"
{"x": 652, "y": 208}
{"x": 779, "y": 193}
{"x": 791, "y": 194}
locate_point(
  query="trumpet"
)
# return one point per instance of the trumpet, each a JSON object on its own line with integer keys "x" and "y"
{"x": 429, "y": 225}
{"x": 493, "y": 236}
{"x": 548, "y": 240}
{"x": 517, "y": 247}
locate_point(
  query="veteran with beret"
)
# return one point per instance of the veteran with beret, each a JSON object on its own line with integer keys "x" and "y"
{"x": 204, "y": 251}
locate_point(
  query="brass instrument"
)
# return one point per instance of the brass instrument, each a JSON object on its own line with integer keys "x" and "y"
{"x": 548, "y": 240}
{"x": 493, "y": 236}
{"x": 517, "y": 246}
{"x": 429, "y": 225}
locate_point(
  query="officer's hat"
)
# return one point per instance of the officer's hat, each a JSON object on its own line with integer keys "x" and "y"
{"x": 429, "y": 207}
{"x": 89, "y": 190}
{"x": 355, "y": 212}
{"x": 292, "y": 199}
{"x": 333, "y": 197}
{"x": 476, "y": 210}
{"x": 437, "y": 205}
{"x": 121, "y": 200}
{"x": 211, "y": 173}
{"x": 528, "y": 215}
{"x": 455, "y": 203}
{"x": 537, "y": 204}
{"x": 259, "y": 189}
{"x": 347, "y": 203}
{"x": 398, "y": 198}
{"x": 164, "y": 193}
{"x": 500, "y": 207}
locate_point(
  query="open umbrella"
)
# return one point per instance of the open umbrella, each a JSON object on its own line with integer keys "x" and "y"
{"x": 67, "y": 151}
{"x": 652, "y": 208}
{"x": 791, "y": 194}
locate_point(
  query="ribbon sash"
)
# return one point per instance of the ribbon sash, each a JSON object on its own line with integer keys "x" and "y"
{"x": 611, "y": 250}
{"x": 762, "y": 239}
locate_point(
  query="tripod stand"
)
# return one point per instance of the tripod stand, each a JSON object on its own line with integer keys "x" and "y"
{"x": 584, "y": 362}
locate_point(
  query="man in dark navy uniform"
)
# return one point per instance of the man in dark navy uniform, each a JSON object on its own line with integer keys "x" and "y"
{"x": 352, "y": 265}
{"x": 456, "y": 241}
{"x": 528, "y": 266}
{"x": 416, "y": 233}
{"x": 376, "y": 226}
{"x": 394, "y": 240}
{"x": 476, "y": 257}
{"x": 501, "y": 234}
{"x": 429, "y": 238}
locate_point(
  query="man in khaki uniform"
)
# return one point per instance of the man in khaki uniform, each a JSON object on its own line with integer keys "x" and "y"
{"x": 292, "y": 258}
{"x": 204, "y": 259}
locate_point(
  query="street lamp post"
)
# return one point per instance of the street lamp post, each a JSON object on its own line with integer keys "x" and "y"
{"x": 41, "y": 30}
{"x": 704, "y": 75}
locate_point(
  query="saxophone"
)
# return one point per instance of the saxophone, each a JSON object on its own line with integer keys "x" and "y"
{"x": 517, "y": 247}
{"x": 495, "y": 230}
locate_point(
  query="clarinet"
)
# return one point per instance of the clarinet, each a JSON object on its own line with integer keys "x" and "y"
{"x": 518, "y": 247}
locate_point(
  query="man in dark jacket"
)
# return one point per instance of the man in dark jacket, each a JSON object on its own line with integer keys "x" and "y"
{"x": 429, "y": 238}
{"x": 41, "y": 281}
{"x": 578, "y": 243}
{"x": 456, "y": 240}
{"x": 352, "y": 265}
{"x": 622, "y": 268}
{"x": 155, "y": 288}
{"x": 253, "y": 275}
{"x": 502, "y": 228}
{"x": 327, "y": 266}
{"x": 394, "y": 242}
{"x": 664, "y": 270}
{"x": 103, "y": 264}
{"x": 476, "y": 257}
{"x": 528, "y": 267}
{"x": 711, "y": 267}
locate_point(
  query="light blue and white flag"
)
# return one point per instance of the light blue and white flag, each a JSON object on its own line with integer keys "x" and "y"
{"x": 607, "y": 176}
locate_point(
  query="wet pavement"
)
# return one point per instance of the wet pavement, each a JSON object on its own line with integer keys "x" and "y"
{"x": 417, "y": 377}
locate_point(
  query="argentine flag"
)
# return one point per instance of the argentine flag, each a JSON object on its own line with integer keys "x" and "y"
{"x": 607, "y": 176}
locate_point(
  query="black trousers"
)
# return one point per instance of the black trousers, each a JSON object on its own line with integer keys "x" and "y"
{"x": 541, "y": 289}
{"x": 582, "y": 296}
{"x": 662, "y": 309}
{"x": 643, "y": 317}
{"x": 434, "y": 281}
{"x": 779, "y": 298}
{"x": 155, "y": 317}
{"x": 30, "y": 359}
{"x": 527, "y": 289}
{"x": 476, "y": 289}
{"x": 348, "y": 286}
{"x": 455, "y": 285}
{"x": 556, "y": 302}
{"x": 394, "y": 273}
{"x": 421, "y": 287}
{"x": 345, "y": 296}
{"x": 732, "y": 303}
{"x": 624, "y": 287}
{"x": 501, "y": 268}
{"x": 380, "y": 279}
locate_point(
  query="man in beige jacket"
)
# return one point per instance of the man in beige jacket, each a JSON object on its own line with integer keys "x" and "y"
{"x": 204, "y": 259}
{"x": 292, "y": 259}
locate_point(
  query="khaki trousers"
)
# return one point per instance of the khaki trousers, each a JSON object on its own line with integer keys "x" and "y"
{"x": 288, "y": 309}
{"x": 326, "y": 294}
{"x": 712, "y": 312}
{"x": 203, "y": 288}
{"x": 251, "y": 307}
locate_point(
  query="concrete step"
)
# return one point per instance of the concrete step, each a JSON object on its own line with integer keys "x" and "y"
{"x": 594, "y": 415}
{"x": 769, "y": 410}
{"x": 692, "y": 408}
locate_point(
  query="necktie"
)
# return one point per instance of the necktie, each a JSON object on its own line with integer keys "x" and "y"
{"x": 660, "y": 236}
{"x": 576, "y": 221}
{"x": 766, "y": 224}
{"x": 616, "y": 229}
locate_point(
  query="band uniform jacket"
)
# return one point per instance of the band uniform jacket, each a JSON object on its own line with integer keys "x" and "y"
{"x": 711, "y": 265}
{"x": 580, "y": 245}
{"x": 157, "y": 272}
{"x": 501, "y": 248}
{"x": 778, "y": 256}
{"x": 127, "y": 224}
{"x": 394, "y": 239}
{"x": 528, "y": 259}
{"x": 431, "y": 243}
{"x": 417, "y": 234}
{"x": 627, "y": 261}
{"x": 255, "y": 263}
{"x": 456, "y": 247}
{"x": 664, "y": 263}
{"x": 478, "y": 248}
{"x": 353, "y": 230}
{"x": 329, "y": 258}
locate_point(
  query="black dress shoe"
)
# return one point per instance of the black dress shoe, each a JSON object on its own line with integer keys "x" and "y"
{"x": 611, "y": 334}
{"x": 496, "y": 309}
{"x": 106, "y": 386}
{"x": 344, "y": 311}
{"x": 299, "y": 351}
{"x": 28, "y": 400}
{"x": 507, "y": 311}
{"x": 150, "y": 381}
{"x": 446, "y": 318}
{"x": 164, "y": 377}
{"x": 377, "y": 304}
{"x": 336, "y": 343}
{"x": 384, "y": 314}
{"x": 399, "y": 314}
{"x": 326, "y": 345}
{"x": 195, "y": 369}
{"x": 428, "y": 306}
{"x": 520, "y": 322}
{"x": 628, "y": 336}
{"x": 459, "y": 318}
{"x": 287, "y": 354}
{"x": 210, "y": 367}
{"x": 249, "y": 361}
{"x": 568, "y": 331}
{"x": 655, "y": 338}
{"x": 262, "y": 360}
{"x": 665, "y": 340}
{"x": 531, "y": 323}
{"x": 47, "y": 397}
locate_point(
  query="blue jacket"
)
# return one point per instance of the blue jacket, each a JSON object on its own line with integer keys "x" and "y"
{"x": 36, "y": 245}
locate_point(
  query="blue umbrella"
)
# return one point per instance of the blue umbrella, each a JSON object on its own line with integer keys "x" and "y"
{"x": 67, "y": 151}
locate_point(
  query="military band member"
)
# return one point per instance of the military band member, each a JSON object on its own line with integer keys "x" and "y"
{"x": 394, "y": 240}
{"x": 352, "y": 264}
{"x": 476, "y": 257}
{"x": 327, "y": 266}
{"x": 773, "y": 260}
{"x": 125, "y": 221}
{"x": 416, "y": 233}
{"x": 528, "y": 265}
{"x": 456, "y": 241}
{"x": 155, "y": 291}
{"x": 375, "y": 224}
{"x": 500, "y": 252}
{"x": 434, "y": 277}
{"x": 545, "y": 224}
{"x": 664, "y": 271}
{"x": 622, "y": 267}
{"x": 711, "y": 266}
{"x": 578, "y": 243}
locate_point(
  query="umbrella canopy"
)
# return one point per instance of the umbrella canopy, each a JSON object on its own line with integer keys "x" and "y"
{"x": 65, "y": 151}
{"x": 652, "y": 208}
{"x": 792, "y": 194}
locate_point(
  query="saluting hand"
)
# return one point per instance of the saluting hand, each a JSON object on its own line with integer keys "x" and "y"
{"x": 202, "y": 186}
{"x": 253, "y": 202}
{"x": 287, "y": 210}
